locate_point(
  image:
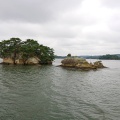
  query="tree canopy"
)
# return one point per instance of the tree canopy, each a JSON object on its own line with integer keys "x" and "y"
{"x": 109, "y": 57}
{"x": 15, "y": 48}
{"x": 69, "y": 55}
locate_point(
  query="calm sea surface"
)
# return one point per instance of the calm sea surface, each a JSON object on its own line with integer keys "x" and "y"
{"x": 54, "y": 93}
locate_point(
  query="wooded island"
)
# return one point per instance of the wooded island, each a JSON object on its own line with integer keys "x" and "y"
{"x": 15, "y": 51}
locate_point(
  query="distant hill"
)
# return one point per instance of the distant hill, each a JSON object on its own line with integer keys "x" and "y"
{"x": 60, "y": 57}
{"x": 117, "y": 55}
{"x": 90, "y": 57}
{"x": 110, "y": 57}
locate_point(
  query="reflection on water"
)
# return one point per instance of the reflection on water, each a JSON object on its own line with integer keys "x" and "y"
{"x": 54, "y": 93}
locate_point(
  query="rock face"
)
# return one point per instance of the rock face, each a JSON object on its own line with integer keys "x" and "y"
{"x": 30, "y": 61}
{"x": 81, "y": 63}
{"x": 98, "y": 64}
{"x": 7, "y": 61}
{"x": 33, "y": 60}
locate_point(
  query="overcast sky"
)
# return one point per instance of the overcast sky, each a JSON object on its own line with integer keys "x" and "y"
{"x": 79, "y": 27}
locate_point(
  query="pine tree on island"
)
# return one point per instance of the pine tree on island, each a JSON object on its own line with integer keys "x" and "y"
{"x": 15, "y": 51}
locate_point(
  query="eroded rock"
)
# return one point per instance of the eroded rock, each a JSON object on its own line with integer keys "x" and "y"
{"x": 80, "y": 63}
{"x": 29, "y": 61}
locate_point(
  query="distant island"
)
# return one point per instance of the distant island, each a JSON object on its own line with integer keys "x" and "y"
{"x": 15, "y": 51}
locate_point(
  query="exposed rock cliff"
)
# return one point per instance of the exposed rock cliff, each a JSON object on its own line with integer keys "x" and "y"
{"x": 7, "y": 61}
{"x": 81, "y": 63}
{"x": 29, "y": 61}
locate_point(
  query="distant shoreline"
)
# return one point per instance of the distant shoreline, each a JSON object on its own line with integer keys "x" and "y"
{"x": 100, "y": 57}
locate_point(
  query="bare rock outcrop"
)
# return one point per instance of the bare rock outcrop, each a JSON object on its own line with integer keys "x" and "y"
{"x": 80, "y": 63}
{"x": 30, "y": 61}
{"x": 7, "y": 61}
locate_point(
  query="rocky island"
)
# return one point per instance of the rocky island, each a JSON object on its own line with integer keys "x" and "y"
{"x": 80, "y": 63}
{"x": 29, "y": 52}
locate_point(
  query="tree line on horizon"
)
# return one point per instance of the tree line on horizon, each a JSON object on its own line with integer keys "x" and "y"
{"x": 109, "y": 57}
{"x": 104, "y": 57}
{"x": 15, "y": 47}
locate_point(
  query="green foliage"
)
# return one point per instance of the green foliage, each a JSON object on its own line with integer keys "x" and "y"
{"x": 69, "y": 55}
{"x": 10, "y": 48}
{"x": 28, "y": 49}
{"x": 109, "y": 57}
{"x": 15, "y": 48}
{"x": 46, "y": 54}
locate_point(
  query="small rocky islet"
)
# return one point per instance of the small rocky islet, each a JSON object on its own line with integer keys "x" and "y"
{"x": 81, "y": 63}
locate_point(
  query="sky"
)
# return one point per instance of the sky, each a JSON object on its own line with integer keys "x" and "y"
{"x": 79, "y": 27}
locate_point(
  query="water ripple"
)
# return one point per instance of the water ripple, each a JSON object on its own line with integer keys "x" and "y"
{"x": 53, "y": 93}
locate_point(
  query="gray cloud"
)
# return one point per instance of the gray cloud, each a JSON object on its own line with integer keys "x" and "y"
{"x": 78, "y": 27}
{"x": 34, "y": 10}
{"x": 111, "y": 3}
